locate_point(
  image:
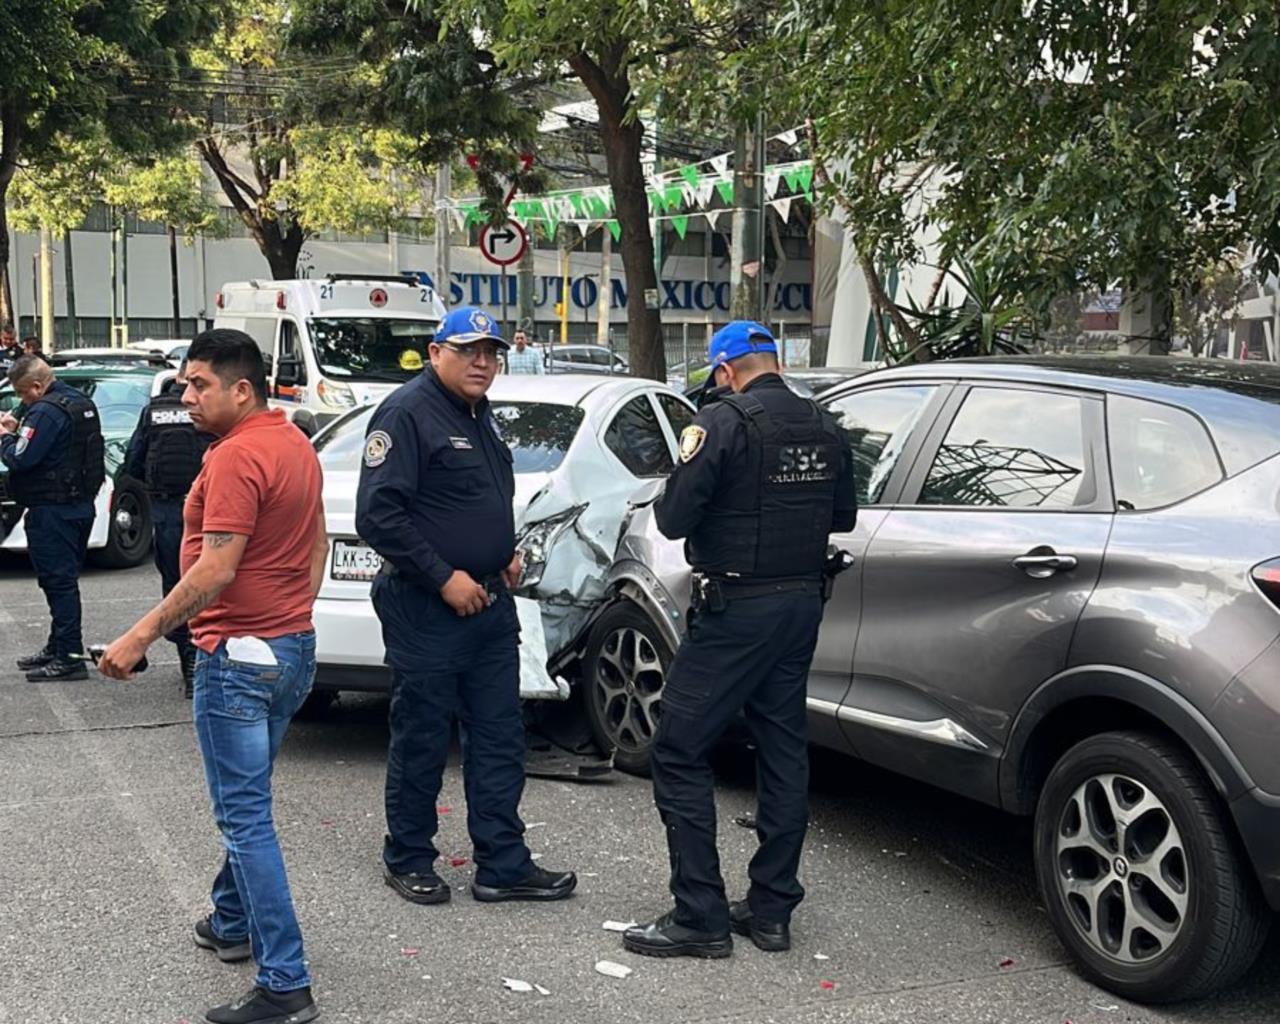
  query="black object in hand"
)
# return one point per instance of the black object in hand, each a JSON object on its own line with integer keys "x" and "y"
{"x": 95, "y": 651}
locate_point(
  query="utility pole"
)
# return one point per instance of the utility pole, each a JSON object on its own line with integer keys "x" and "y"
{"x": 443, "y": 225}
{"x": 115, "y": 283}
{"x": 603, "y": 302}
{"x": 173, "y": 281}
{"x": 124, "y": 281}
{"x": 524, "y": 285}
{"x": 47, "y": 335}
{"x": 564, "y": 284}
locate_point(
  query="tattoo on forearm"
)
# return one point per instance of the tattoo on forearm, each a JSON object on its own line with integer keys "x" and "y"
{"x": 172, "y": 618}
{"x": 217, "y": 540}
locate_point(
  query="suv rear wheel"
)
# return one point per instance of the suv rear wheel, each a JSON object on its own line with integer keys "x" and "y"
{"x": 623, "y": 675}
{"x": 129, "y": 530}
{"x": 1143, "y": 881}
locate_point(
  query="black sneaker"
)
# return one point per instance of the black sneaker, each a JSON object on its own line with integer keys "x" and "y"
{"x": 262, "y": 1006}
{"x": 37, "y": 660}
{"x": 58, "y": 668}
{"x": 417, "y": 886}
{"x": 228, "y": 950}
{"x": 538, "y": 884}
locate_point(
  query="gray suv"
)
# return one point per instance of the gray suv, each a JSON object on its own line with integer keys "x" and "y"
{"x": 1065, "y": 602}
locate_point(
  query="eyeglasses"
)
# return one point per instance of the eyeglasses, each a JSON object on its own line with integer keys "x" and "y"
{"x": 472, "y": 353}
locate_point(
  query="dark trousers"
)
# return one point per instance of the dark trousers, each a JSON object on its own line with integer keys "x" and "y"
{"x": 444, "y": 666}
{"x": 57, "y": 547}
{"x": 166, "y": 523}
{"x": 753, "y": 658}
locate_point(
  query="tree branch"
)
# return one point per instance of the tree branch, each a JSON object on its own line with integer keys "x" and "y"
{"x": 218, "y": 164}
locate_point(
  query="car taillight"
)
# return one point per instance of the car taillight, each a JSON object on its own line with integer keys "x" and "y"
{"x": 1267, "y": 577}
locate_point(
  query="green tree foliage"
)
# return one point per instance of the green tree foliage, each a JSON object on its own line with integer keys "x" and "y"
{"x": 1070, "y": 144}
{"x": 75, "y": 68}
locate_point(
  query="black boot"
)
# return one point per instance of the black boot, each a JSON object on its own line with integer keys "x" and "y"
{"x": 664, "y": 937}
{"x": 58, "y": 668}
{"x": 37, "y": 660}
{"x": 261, "y": 1006}
{"x": 536, "y": 885}
{"x": 769, "y": 936}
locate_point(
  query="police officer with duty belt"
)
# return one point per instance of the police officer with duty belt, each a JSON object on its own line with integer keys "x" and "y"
{"x": 165, "y": 453}
{"x": 764, "y": 476}
{"x": 54, "y": 456}
{"x": 434, "y": 500}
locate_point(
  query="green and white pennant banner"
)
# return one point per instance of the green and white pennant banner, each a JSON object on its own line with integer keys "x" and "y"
{"x": 783, "y": 206}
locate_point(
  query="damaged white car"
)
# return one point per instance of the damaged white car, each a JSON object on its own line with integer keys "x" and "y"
{"x": 581, "y": 446}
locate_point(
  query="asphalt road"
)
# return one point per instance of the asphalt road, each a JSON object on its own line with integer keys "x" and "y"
{"x": 922, "y": 906}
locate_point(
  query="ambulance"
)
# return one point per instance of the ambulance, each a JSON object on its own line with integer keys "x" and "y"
{"x": 336, "y": 342}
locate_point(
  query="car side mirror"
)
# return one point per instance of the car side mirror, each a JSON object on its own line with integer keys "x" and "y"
{"x": 305, "y": 421}
{"x": 289, "y": 371}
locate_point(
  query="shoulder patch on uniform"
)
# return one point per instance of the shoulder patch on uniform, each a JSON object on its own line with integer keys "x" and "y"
{"x": 376, "y": 447}
{"x": 692, "y": 438}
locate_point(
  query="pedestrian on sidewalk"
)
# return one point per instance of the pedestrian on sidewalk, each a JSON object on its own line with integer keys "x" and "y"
{"x": 253, "y": 554}
{"x": 522, "y": 358}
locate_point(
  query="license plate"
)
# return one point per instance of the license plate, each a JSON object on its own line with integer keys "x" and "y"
{"x": 354, "y": 561}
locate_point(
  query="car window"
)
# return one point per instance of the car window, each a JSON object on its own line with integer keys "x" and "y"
{"x": 877, "y": 424}
{"x": 340, "y": 447}
{"x": 600, "y": 357}
{"x": 1159, "y": 454}
{"x": 538, "y": 433}
{"x": 1013, "y": 449}
{"x": 678, "y": 413}
{"x": 636, "y": 438}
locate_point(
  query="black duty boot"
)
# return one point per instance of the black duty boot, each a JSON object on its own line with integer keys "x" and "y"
{"x": 58, "y": 668}
{"x": 37, "y": 660}
{"x": 229, "y": 950}
{"x": 769, "y": 936}
{"x": 538, "y": 884}
{"x": 261, "y": 1006}
{"x": 664, "y": 937}
{"x": 417, "y": 886}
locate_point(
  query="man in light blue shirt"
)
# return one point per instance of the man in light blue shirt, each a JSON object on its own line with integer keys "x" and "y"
{"x": 522, "y": 358}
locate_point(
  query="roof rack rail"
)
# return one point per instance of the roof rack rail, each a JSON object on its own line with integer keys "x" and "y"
{"x": 405, "y": 278}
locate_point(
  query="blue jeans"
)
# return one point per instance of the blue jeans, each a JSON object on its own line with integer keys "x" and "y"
{"x": 241, "y": 714}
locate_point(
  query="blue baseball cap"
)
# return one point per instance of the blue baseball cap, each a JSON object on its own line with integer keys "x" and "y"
{"x": 467, "y": 324}
{"x": 739, "y": 338}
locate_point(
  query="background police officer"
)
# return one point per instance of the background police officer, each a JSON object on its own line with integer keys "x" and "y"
{"x": 435, "y": 497}
{"x": 165, "y": 453}
{"x": 764, "y": 477}
{"x": 54, "y": 456}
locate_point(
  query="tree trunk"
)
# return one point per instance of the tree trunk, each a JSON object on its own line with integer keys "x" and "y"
{"x": 281, "y": 247}
{"x": 622, "y": 142}
{"x": 10, "y": 141}
{"x": 68, "y": 265}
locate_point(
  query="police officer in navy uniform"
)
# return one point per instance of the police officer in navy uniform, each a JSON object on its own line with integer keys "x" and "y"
{"x": 764, "y": 477}
{"x": 434, "y": 500}
{"x": 165, "y": 453}
{"x": 54, "y": 455}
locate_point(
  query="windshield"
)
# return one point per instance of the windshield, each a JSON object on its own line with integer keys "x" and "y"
{"x": 368, "y": 348}
{"x": 538, "y": 434}
{"x": 119, "y": 399}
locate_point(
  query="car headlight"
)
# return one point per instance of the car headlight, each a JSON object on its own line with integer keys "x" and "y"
{"x": 336, "y": 396}
{"x": 536, "y": 541}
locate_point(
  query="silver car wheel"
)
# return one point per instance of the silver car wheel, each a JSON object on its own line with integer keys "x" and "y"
{"x": 628, "y": 688}
{"x": 1122, "y": 869}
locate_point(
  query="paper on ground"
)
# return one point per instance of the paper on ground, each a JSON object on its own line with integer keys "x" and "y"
{"x": 611, "y": 970}
{"x": 618, "y": 926}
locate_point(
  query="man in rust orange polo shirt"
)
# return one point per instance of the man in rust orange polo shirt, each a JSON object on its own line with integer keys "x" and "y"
{"x": 253, "y": 554}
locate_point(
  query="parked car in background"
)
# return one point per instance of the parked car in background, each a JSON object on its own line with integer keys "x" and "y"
{"x": 805, "y": 381}
{"x": 1065, "y": 602}
{"x": 594, "y": 359}
{"x": 121, "y": 535}
{"x": 173, "y": 350}
{"x": 102, "y": 356}
{"x": 581, "y": 446}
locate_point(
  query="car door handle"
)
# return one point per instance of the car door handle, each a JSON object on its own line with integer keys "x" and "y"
{"x": 1042, "y": 566}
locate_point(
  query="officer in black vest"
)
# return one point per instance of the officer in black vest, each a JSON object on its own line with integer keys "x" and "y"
{"x": 54, "y": 457}
{"x": 165, "y": 453}
{"x": 764, "y": 477}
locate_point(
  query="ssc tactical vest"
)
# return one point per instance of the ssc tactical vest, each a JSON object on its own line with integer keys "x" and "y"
{"x": 78, "y": 474}
{"x": 174, "y": 451}
{"x": 774, "y": 521}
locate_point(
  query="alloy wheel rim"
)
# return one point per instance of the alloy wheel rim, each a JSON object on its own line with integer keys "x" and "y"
{"x": 128, "y": 521}
{"x": 628, "y": 688}
{"x": 1122, "y": 869}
